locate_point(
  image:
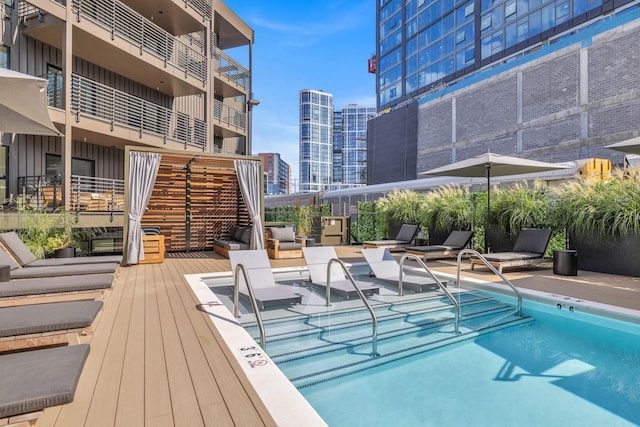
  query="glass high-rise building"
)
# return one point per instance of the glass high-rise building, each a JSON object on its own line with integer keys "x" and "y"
{"x": 350, "y": 144}
{"x": 424, "y": 44}
{"x": 316, "y": 133}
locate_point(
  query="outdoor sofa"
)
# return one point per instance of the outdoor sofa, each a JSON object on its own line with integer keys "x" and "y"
{"x": 239, "y": 239}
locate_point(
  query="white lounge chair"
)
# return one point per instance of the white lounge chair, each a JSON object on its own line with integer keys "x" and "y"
{"x": 317, "y": 259}
{"x": 386, "y": 269}
{"x": 266, "y": 292}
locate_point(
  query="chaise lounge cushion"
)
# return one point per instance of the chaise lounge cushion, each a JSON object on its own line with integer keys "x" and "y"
{"x": 37, "y": 379}
{"x": 41, "y": 318}
{"x": 52, "y": 285}
{"x": 63, "y": 270}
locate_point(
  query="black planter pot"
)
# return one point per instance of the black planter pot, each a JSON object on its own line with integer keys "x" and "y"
{"x": 64, "y": 253}
{"x": 612, "y": 255}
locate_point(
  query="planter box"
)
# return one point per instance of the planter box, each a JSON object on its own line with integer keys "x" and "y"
{"x": 65, "y": 253}
{"x": 608, "y": 255}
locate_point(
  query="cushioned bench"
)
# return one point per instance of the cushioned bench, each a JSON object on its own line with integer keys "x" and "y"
{"x": 40, "y": 325}
{"x": 37, "y": 379}
{"x": 239, "y": 239}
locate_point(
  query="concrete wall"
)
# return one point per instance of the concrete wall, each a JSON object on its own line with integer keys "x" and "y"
{"x": 562, "y": 106}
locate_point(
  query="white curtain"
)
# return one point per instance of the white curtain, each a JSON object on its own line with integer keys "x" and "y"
{"x": 248, "y": 172}
{"x": 143, "y": 170}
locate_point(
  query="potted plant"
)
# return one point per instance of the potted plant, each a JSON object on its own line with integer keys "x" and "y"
{"x": 37, "y": 227}
{"x": 602, "y": 219}
{"x": 61, "y": 245}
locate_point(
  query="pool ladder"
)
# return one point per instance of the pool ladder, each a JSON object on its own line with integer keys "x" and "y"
{"x": 492, "y": 268}
{"x": 254, "y": 304}
{"x": 374, "y": 319}
{"x": 442, "y": 287}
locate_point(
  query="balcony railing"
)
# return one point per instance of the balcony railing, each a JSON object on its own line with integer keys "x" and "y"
{"x": 229, "y": 115}
{"x": 88, "y": 194}
{"x": 203, "y": 7}
{"x": 124, "y": 22}
{"x": 95, "y": 100}
{"x": 230, "y": 69}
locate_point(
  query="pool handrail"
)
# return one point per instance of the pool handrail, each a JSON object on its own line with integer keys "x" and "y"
{"x": 236, "y": 300}
{"x": 492, "y": 268}
{"x": 374, "y": 319}
{"x": 442, "y": 287}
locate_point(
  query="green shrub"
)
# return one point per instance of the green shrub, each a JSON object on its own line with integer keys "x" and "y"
{"x": 448, "y": 207}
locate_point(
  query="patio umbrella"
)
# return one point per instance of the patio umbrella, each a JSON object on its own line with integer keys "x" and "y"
{"x": 23, "y": 104}
{"x": 488, "y": 165}
{"x": 630, "y": 146}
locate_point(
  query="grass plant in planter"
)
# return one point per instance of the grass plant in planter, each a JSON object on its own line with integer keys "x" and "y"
{"x": 448, "y": 208}
{"x": 400, "y": 207}
{"x": 602, "y": 219}
{"x": 44, "y": 232}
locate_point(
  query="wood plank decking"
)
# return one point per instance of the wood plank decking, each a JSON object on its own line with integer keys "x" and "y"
{"x": 157, "y": 360}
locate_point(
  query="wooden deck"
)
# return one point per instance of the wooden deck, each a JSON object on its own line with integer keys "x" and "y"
{"x": 157, "y": 360}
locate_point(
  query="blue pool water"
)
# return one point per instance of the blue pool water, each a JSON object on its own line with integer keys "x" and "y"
{"x": 563, "y": 369}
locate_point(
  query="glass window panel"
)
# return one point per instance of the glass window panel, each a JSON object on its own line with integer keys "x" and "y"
{"x": 579, "y": 7}
{"x": 448, "y": 44}
{"x": 460, "y": 36}
{"x": 411, "y": 27}
{"x": 523, "y": 29}
{"x": 469, "y": 30}
{"x": 510, "y": 35}
{"x": 593, "y": 4}
{"x": 460, "y": 60}
{"x": 535, "y": 23}
{"x": 562, "y": 11}
{"x": 548, "y": 17}
{"x": 485, "y": 47}
{"x": 533, "y": 4}
{"x": 522, "y": 6}
{"x": 447, "y": 23}
{"x": 468, "y": 9}
{"x": 470, "y": 55}
{"x": 411, "y": 46}
{"x": 448, "y": 5}
{"x": 436, "y": 30}
{"x": 412, "y": 64}
{"x": 411, "y": 83}
{"x": 447, "y": 66}
{"x": 510, "y": 8}
{"x": 485, "y": 23}
{"x": 4, "y": 57}
{"x": 423, "y": 39}
{"x": 424, "y": 58}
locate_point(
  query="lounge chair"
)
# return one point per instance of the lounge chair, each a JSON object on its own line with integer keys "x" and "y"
{"x": 18, "y": 272}
{"x": 23, "y": 255}
{"x": 317, "y": 259}
{"x": 450, "y": 248}
{"x": 404, "y": 238}
{"x": 265, "y": 290}
{"x": 79, "y": 286}
{"x": 40, "y": 325}
{"x": 528, "y": 250}
{"x": 386, "y": 269}
{"x": 282, "y": 243}
{"x": 37, "y": 379}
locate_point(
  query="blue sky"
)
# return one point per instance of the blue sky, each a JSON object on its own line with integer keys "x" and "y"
{"x": 305, "y": 44}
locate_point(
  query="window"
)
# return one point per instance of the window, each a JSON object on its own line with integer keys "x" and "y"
{"x": 485, "y": 23}
{"x": 55, "y": 90}
{"x": 510, "y": 8}
{"x": 4, "y": 56}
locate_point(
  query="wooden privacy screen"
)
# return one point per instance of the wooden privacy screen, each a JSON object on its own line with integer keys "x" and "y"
{"x": 195, "y": 200}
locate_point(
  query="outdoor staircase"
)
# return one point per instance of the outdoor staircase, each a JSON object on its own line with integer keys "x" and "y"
{"x": 315, "y": 348}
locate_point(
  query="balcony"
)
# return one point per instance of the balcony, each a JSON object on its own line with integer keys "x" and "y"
{"x": 232, "y": 120}
{"x": 88, "y": 194}
{"x": 232, "y": 73}
{"x": 115, "y": 37}
{"x": 129, "y": 117}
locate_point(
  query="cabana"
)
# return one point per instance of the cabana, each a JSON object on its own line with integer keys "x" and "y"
{"x": 194, "y": 198}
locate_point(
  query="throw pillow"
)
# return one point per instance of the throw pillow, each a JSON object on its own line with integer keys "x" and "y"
{"x": 284, "y": 234}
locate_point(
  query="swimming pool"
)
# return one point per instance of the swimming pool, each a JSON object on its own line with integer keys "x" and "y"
{"x": 564, "y": 368}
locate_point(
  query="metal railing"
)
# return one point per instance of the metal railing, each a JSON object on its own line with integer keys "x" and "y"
{"x": 98, "y": 101}
{"x": 91, "y": 194}
{"x": 254, "y": 304}
{"x": 492, "y": 268}
{"x": 374, "y": 319}
{"x": 229, "y": 115}
{"x": 203, "y": 7}
{"x": 87, "y": 193}
{"x": 442, "y": 287}
{"x": 230, "y": 69}
{"x": 126, "y": 23}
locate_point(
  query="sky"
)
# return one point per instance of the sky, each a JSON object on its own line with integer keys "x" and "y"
{"x": 304, "y": 44}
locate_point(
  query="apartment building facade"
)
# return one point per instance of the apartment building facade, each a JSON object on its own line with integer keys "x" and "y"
{"x": 316, "y": 133}
{"x": 277, "y": 174}
{"x": 123, "y": 73}
{"x": 542, "y": 79}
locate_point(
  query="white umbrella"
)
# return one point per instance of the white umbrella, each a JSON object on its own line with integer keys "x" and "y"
{"x": 630, "y": 146}
{"x": 490, "y": 164}
{"x": 23, "y": 104}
